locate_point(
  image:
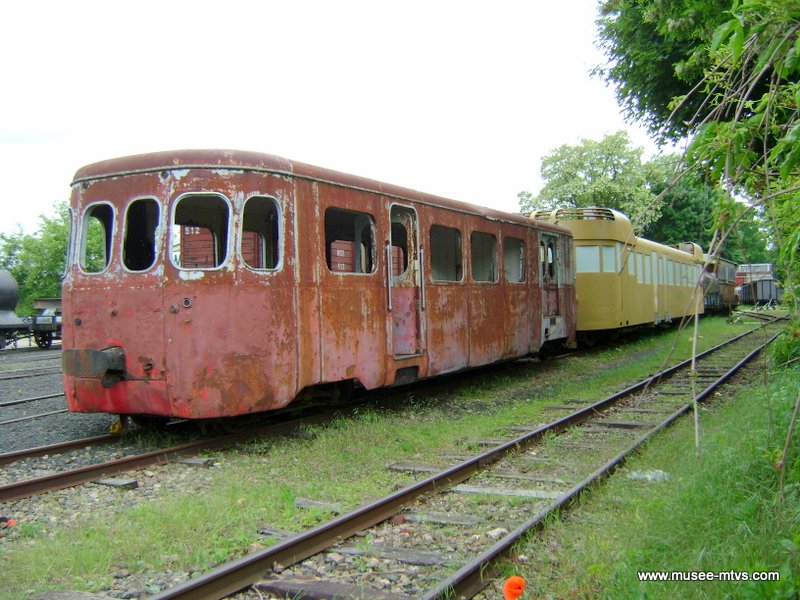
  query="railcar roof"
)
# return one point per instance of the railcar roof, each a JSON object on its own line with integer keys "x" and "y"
{"x": 268, "y": 163}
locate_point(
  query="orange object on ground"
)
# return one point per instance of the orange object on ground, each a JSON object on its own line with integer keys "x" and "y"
{"x": 513, "y": 587}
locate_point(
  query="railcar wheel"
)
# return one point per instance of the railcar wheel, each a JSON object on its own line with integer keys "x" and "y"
{"x": 44, "y": 340}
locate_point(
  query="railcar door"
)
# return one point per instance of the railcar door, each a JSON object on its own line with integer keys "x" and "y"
{"x": 551, "y": 265}
{"x": 549, "y": 275}
{"x": 404, "y": 281}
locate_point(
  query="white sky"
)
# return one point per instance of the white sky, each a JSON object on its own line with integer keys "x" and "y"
{"x": 456, "y": 98}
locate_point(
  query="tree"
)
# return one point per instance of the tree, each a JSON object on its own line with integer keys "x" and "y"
{"x": 37, "y": 261}
{"x": 608, "y": 173}
{"x": 655, "y": 54}
{"x": 688, "y": 211}
{"x": 734, "y": 89}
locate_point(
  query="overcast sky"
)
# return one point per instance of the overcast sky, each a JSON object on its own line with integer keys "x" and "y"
{"x": 456, "y": 98}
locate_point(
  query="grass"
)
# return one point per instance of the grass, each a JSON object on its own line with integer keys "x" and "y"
{"x": 342, "y": 462}
{"x": 716, "y": 515}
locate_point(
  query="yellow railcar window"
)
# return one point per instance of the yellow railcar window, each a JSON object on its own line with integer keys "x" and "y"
{"x": 609, "y": 260}
{"x": 588, "y": 259}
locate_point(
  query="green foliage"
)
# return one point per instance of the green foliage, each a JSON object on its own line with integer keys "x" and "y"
{"x": 786, "y": 349}
{"x": 655, "y": 53}
{"x": 727, "y": 74}
{"x": 37, "y": 261}
{"x": 686, "y": 204}
{"x": 606, "y": 173}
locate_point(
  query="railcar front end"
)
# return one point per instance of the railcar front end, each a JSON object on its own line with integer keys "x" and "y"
{"x": 623, "y": 281}
{"x": 176, "y": 298}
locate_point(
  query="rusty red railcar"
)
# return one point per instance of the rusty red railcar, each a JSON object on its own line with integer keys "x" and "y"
{"x": 211, "y": 283}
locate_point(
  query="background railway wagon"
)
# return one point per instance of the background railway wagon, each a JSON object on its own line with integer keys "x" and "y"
{"x": 11, "y": 326}
{"x": 763, "y": 291}
{"x": 622, "y": 280}
{"x": 757, "y": 284}
{"x": 230, "y": 282}
{"x": 721, "y": 295}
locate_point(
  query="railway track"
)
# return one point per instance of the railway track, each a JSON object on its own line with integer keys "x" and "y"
{"x": 23, "y": 373}
{"x": 556, "y": 462}
{"x": 281, "y": 424}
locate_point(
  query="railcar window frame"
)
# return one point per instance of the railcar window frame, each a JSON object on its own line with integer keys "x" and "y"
{"x": 446, "y": 266}
{"x": 490, "y": 242}
{"x": 177, "y": 228}
{"x": 365, "y": 256}
{"x": 108, "y": 237}
{"x": 153, "y": 243}
{"x": 609, "y": 259}
{"x": 517, "y": 257}
{"x": 69, "y": 256}
{"x": 587, "y": 259}
{"x": 275, "y": 245}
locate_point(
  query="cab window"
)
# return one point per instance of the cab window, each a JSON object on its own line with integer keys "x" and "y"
{"x": 96, "y": 237}
{"x": 200, "y": 231}
{"x": 260, "y": 243}
{"x": 141, "y": 224}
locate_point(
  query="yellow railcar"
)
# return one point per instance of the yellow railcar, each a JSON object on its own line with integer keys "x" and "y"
{"x": 624, "y": 281}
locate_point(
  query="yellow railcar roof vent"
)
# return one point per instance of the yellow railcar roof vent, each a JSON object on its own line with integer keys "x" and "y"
{"x": 588, "y": 214}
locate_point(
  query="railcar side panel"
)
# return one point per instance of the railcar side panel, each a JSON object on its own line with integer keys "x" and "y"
{"x": 485, "y": 293}
{"x": 353, "y": 296}
{"x": 446, "y": 300}
{"x": 223, "y": 360}
{"x": 309, "y": 249}
{"x": 520, "y": 306}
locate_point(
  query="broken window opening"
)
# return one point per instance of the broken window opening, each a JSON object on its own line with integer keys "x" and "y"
{"x": 200, "y": 231}
{"x": 484, "y": 259}
{"x": 97, "y": 236}
{"x": 349, "y": 241}
{"x": 399, "y": 249}
{"x": 446, "y": 263}
{"x": 260, "y": 243}
{"x": 141, "y": 224}
{"x": 551, "y": 260}
{"x": 514, "y": 259}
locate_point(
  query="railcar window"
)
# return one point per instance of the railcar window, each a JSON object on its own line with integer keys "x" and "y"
{"x": 97, "y": 235}
{"x": 588, "y": 259}
{"x": 514, "y": 259}
{"x": 631, "y": 262}
{"x": 399, "y": 249}
{"x": 609, "y": 260}
{"x": 349, "y": 241}
{"x": 551, "y": 260}
{"x": 446, "y": 264}
{"x": 648, "y": 268}
{"x": 200, "y": 231}
{"x": 141, "y": 224}
{"x": 639, "y": 267}
{"x": 260, "y": 243}
{"x": 484, "y": 256}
